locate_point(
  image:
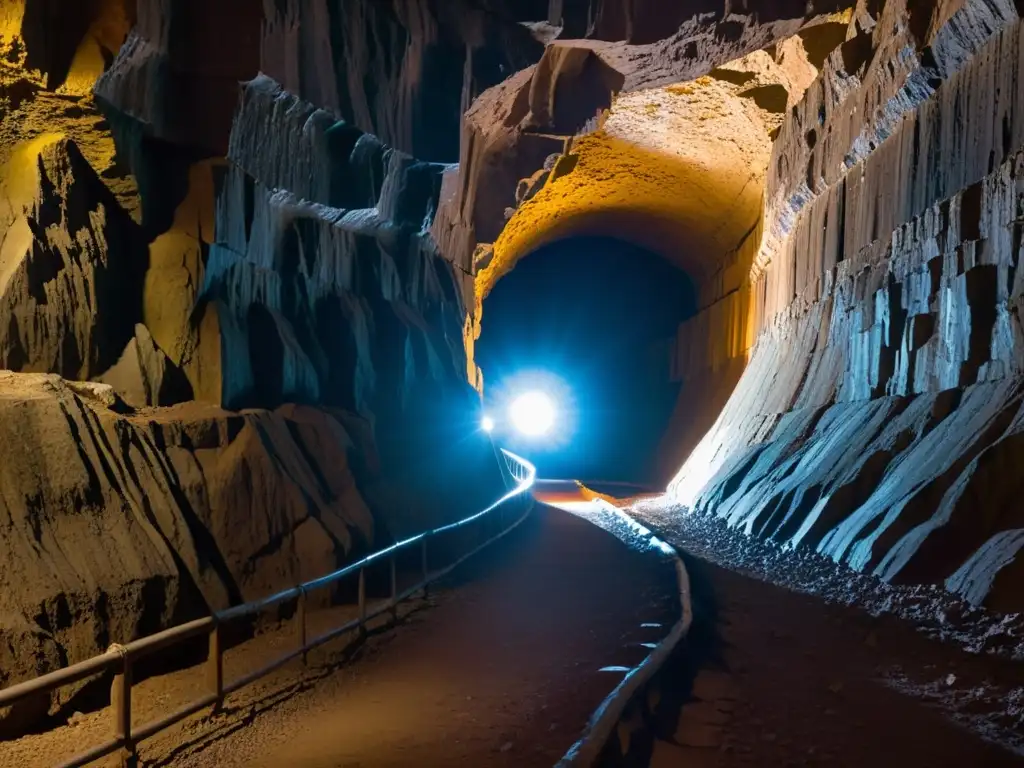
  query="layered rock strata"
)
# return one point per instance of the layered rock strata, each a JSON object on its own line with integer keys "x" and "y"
{"x": 118, "y": 525}
{"x": 882, "y": 394}
{"x": 204, "y": 246}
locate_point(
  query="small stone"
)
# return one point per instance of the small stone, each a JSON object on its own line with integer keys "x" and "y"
{"x": 506, "y": 746}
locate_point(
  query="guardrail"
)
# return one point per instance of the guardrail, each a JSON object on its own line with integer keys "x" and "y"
{"x": 519, "y": 476}
{"x": 586, "y": 752}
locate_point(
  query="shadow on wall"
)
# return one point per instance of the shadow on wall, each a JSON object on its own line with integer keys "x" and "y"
{"x": 600, "y": 315}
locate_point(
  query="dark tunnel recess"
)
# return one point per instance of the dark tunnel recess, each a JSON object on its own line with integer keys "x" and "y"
{"x": 592, "y": 321}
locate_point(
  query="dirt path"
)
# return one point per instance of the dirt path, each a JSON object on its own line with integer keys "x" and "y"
{"x": 788, "y": 681}
{"x": 773, "y": 677}
{"x": 505, "y": 670}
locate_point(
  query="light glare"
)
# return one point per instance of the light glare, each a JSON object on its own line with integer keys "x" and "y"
{"x": 487, "y": 424}
{"x": 532, "y": 413}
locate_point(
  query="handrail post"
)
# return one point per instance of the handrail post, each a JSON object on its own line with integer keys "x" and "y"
{"x": 362, "y": 601}
{"x": 121, "y": 695}
{"x": 426, "y": 567}
{"x": 300, "y": 617}
{"x": 394, "y": 586}
{"x": 215, "y": 665}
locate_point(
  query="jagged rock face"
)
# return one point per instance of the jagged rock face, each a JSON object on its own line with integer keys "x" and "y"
{"x": 511, "y": 129}
{"x": 327, "y": 288}
{"x": 296, "y": 269}
{"x": 404, "y": 71}
{"x": 118, "y": 526}
{"x": 175, "y": 79}
{"x": 701, "y": 29}
{"x": 883, "y": 392}
{"x": 70, "y": 267}
{"x": 65, "y": 45}
{"x": 882, "y": 395}
{"x": 242, "y": 248}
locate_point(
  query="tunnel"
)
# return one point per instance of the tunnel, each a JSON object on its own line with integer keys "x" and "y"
{"x": 592, "y": 320}
{"x": 276, "y": 280}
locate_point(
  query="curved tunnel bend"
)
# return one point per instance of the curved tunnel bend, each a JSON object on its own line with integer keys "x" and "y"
{"x": 594, "y": 319}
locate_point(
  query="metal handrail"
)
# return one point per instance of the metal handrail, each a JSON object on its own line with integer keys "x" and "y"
{"x": 120, "y": 659}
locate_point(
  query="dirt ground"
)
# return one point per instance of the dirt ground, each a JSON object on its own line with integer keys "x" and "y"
{"x": 503, "y": 668}
{"x": 774, "y": 676}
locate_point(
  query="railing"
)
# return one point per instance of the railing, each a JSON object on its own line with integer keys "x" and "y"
{"x": 120, "y": 660}
{"x": 586, "y": 752}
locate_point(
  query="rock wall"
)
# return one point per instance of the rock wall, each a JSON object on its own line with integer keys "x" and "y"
{"x": 404, "y": 71}
{"x": 879, "y": 409}
{"x": 234, "y": 353}
{"x": 118, "y": 525}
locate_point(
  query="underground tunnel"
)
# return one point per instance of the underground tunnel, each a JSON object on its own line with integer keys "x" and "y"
{"x": 594, "y": 319}
{"x": 267, "y": 269}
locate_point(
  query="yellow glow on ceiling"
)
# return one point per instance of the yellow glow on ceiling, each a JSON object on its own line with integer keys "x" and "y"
{"x": 678, "y": 170}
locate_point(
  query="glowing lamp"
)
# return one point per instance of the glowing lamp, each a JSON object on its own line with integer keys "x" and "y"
{"x": 532, "y": 413}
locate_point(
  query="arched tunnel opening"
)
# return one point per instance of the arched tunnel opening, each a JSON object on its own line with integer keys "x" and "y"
{"x": 591, "y": 322}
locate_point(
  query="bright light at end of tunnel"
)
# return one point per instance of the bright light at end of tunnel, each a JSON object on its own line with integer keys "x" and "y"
{"x": 532, "y": 413}
{"x": 487, "y": 424}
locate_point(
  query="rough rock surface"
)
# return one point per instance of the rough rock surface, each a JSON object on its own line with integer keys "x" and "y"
{"x": 70, "y": 272}
{"x": 404, "y": 71}
{"x": 843, "y": 185}
{"x": 881, "y": 399}
{"x": 509, "y": 131}
{"x": 872, "y": 306}
{"x": 207, "y": 243}
{"x": 327, "y": 288}
{"x": 116, "y": 526}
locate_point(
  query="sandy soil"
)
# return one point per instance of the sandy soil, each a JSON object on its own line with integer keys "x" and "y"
{"x": 775, "y": 675}
{"x": 503, "y": 668}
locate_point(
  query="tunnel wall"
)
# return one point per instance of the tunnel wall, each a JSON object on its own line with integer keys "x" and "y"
{"x": 233, "y": 354}
{"x": 879, "y": 413}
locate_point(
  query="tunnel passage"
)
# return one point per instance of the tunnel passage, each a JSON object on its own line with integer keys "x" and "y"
{"x": 593, "y": 318}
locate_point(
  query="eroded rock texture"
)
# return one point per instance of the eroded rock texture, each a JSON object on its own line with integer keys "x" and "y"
{"x": 116, "y": 526}
{"x": 234, "y": 354}
{"x": 282, "y": 223}
{"x": 327, "y": 288}
{"x": 863, "y": 302}
{"x": 404, "y": 71}
{"x": 879, "y": 411}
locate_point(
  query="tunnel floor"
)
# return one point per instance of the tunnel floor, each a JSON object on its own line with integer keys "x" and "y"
{"x": 774, "y": 675}
{"x": 505, "y": 670}
{"x": 502, "y": 666}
